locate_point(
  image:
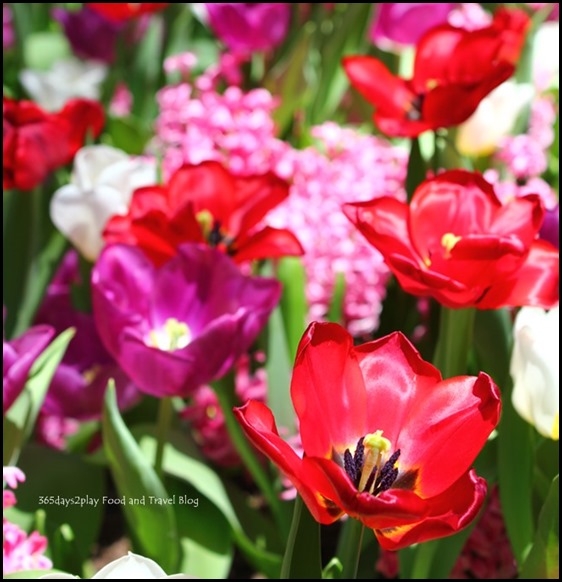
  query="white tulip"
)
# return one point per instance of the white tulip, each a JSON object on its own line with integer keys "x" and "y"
{"x": 535, "y": 368}
{"x": 67, "y": 79}
{"x": 131, "y": 566}
{"x": 546, "y": 55}
{"x": 102, "y": 183}
{"x": 494, "y": 119}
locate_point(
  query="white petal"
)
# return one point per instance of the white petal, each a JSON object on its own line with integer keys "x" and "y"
{"x": 493, "y": 120}
{"x": 131, "y": 566}
{"x": 91, "y": 161}
{"x": 535, "y": 368}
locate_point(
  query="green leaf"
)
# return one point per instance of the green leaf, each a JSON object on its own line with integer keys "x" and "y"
{"x": 64, "y": 550}
{"x": 302, "y": 556}
{"x": 60, "y": 484}
{"x": 515, "y": 477}
{"x": 294, "y": 308}
{"x": 291, "y": 80}
{"x": 30, "y": 574}
{"x": 333, "y": 570}
{"x": 127, "y": 134}
{"x": 417, "y": 169}
{"x": 454, "y": 342}
{"x": 543, "y": 561}
{"x": 205, "y": 535}
{"x": 178, "y": 463}
{"x": 335, "y": 312}
{"x": 279, "y": 369}
{"x": 492, "y": 342}
{"x": 152, "y": 524}
{"x": 20, "y": 418}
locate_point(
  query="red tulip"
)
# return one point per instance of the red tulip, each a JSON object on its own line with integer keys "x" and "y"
{"x": 457, "y": 243}
{"x": 121, "y": 11}
{"x": 205, "y": 203}
{"x": 454, "y": 70}
{"x": 36, "y": 142}
{"x": 385, "y": 439}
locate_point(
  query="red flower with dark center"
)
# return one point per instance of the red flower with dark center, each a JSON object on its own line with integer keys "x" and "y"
{"x": 458, "y": 243}
{"x": 205, "y": 203}
{"x": 36, "y": 142}
{"x": 121, "y": 11}
{"x": 454, "y": 69}
{"x": 385, "y": 439}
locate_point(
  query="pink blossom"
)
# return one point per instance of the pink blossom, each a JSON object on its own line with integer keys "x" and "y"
{"x": 470, "y": 16}
{"x": 8, "y": 34}
{"x": 19, "y": 550}
{"x": 405, "y": 23}
{"x": 344, "y": 165}
{"x": 53, "y": 430}
{"x": 122, "y": 101}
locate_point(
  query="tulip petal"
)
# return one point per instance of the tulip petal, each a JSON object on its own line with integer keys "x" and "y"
{"x": 389, "y": 94}
{"x": 536, "y": 283}
{"x": 447, "y": 426}
{"x": 384, "y": 223}
{"x": 268, "y": 243}
{"x": 328, "y": 391}
{"x": 396, "y": 379}
{"x": 259, "y": 425}
{"x": 448, "y": 513}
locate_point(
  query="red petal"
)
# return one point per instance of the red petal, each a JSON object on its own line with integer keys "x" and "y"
{"x": 384, "y": 223}
{"x": 268, "y": 243}
{"x": 445, "y": 426}
{"x": 83, "y": 118}
{"x": 208, "y": 186}
{"x": 388, "y": 93}
{"x": 122, "y": 11}
{"x": 452, "y": 104}
{"x": 394, "y": 374}
{"x": 328, "y": 391}
{"x": 259, "y": 425}
{"x": 448, "y": 513}
{"x": 255, "y": 197}
{"x": 522, "y": 217}
{"x": 456, "y": 202}
{"x": 536, "y": 283}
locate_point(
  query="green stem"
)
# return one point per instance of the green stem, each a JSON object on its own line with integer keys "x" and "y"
{"x": 290, "y": 548}
{"x": 455, "y": 341}
{"x": 165, "y": 415}
{"x": 224, "y": 390}
{"x": 349, "y": 548}
{"x": 423, "y": 560}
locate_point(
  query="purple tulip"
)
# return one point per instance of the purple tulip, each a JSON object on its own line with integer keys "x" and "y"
{"x": 91, "y": 35}
{"x": 550, "y": 229}
{"x": 182, "y": 325}
{"x": 78, "y": 385}
{"x": 246, "y": 28}
{"x": 406, "y": 23}
{"x": 19, "y": 356}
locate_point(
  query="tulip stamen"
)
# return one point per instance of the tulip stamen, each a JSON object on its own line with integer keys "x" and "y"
{"x": 173, "y": 335}
{"x": 448, "y": 242}
{"x": 368, "y": 468}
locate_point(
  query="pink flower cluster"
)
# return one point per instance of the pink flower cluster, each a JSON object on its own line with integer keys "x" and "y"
{"x": 198, "y": 123}
{"x": 342, "y": 166}
{"x": 20, "y": 551}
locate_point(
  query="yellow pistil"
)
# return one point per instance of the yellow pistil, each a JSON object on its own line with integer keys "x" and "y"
{"x": 376, "y": 447}
{"x": 448, "y": 242}
{"x": 174, "y": 335}
{"x": 431, "y": 84}
{"x": 556, "y": 427}
{"x": 206, "y": 221}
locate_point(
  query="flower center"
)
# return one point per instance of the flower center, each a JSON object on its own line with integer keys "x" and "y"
{"x": 212, "y": 229}
{"x": 173, "y": 335}
{"x": 448, "y": 242}
{"x": 369, "y": 467}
